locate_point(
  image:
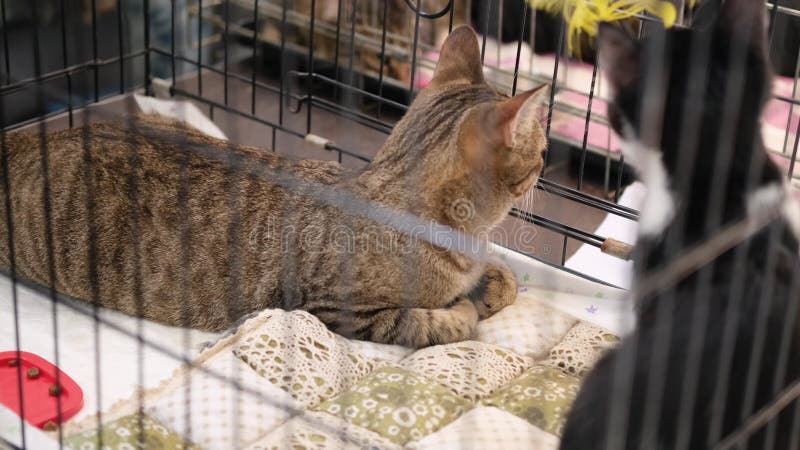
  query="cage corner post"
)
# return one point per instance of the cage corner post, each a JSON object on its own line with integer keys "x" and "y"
{"x": 147, "y": 64}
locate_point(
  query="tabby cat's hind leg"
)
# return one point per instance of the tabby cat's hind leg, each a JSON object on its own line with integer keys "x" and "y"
{"x": 419, "y": 327}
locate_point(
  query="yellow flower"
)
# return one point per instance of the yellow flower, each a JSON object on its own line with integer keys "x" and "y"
{"x": 583, "y": 16}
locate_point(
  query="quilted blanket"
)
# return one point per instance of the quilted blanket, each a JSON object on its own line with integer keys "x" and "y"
{"x": 284, "y": 381}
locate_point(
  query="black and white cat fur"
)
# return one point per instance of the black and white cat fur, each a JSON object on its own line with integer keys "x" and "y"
{"x": 687, "y": 104}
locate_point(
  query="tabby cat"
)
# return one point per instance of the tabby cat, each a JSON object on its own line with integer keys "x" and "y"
{"x": 334, "y": 23}
{"x": 717, "y": 342}
{"x": 460, "y": 156}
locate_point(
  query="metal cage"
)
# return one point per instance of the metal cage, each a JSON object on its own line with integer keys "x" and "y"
{"x": 298, "y": 76}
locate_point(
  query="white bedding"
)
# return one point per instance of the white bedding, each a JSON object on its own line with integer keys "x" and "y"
{"x": 118, "y": 353}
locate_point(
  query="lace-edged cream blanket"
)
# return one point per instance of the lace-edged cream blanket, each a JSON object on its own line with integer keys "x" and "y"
{"x": 284, "y": 381}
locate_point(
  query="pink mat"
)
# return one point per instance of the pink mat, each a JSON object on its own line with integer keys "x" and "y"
{"x": 575, "y": 80}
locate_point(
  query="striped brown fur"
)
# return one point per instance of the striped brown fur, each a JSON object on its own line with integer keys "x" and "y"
{"x": 217, "y": 233}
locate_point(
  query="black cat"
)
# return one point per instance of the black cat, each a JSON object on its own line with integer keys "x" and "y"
{"x": 717, "y": 340}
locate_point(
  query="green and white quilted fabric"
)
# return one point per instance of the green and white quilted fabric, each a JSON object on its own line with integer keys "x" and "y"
{"x": 284, "y": 381}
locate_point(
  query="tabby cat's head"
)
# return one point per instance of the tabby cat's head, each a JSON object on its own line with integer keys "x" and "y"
{"x": 463, "y": 152}
{"x": 687, "y": 104}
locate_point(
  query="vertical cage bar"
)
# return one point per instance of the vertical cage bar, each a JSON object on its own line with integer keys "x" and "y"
{"x": 616, "y": 420}
{"x": 383, "y": 55}
{"x": 12, "y": 269}
{"x": 225, "y": 46}
{"x": 762, "y": 318}
{"x": 200, "y": 48}
{"x": 309, "y": 79}
{"x": 620, "y": 169}
{"x": 96, "y": 71}
{"x": 91, "y": 234}
{"x": 6, "y": 57}
{"x": 336, "y": 47}
{"x": 235, "y": 311}
{"x": 700, "y": 312}
{"x": 532, "y": 37}
{"x": 585, "y": 142}
{"x": 282, "y": 71}
{"x": 726, "y": 349}
{"x": 135, "y": 214}
{"x": 584, "y": 151}
{"x": 773, "y": 16}
{"x": 147, "y": 81}
{"x": 121, "y": 45}
{"x": 553, "y": 84}
{"x": 255, "y": 60}
{"x": 784, "y": 353}
{"x": 185, "y": 273}
{"x": 519, "y": 49}
{"x": 486, "y": 31}
{"x": 791, "y": 104}
{"x": 674, "y": 240}
{"x": 65, "y": 59}
{"x": 352, "y": 56}
{"x": 282, "y": 66}
{"x": 650, "y": 106}
{"x": 499, "y": 42}
{"x": 172, "y": 40}
{"x": 48, "y": 214}
{"x": 414, "y": 51}
{"x": 452, "y": 13}
{"x": 728, "y": 346}
{"x": 794, "y": 439}
{"x": 793, "y": 160}
{"x": 93, "y": 278}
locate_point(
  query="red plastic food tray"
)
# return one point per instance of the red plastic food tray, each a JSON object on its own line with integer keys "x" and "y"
{"x": 40, "y": 405}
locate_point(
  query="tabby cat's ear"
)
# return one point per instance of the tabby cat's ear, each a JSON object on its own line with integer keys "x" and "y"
{"x": 519, "y": 109}
{"x": 618, "y": 56}
{"x": 460, "y": 58}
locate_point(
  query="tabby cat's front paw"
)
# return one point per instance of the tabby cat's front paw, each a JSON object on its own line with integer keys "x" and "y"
{"x": 496, "y": 289}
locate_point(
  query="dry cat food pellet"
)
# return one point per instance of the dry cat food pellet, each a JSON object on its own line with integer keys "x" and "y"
{"x": 55, "y": 390}
{"x": 33, "y": 373}
{"x": 13, "y": 362}
{"x": 50, "y": 426}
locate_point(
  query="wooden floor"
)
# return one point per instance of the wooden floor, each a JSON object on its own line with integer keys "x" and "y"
{"x": 360, "y": 139}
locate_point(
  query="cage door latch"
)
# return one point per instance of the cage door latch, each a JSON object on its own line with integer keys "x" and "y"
{"x": 617, "y": 248}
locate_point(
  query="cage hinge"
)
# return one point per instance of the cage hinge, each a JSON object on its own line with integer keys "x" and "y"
{"x": 317, "y": 140}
